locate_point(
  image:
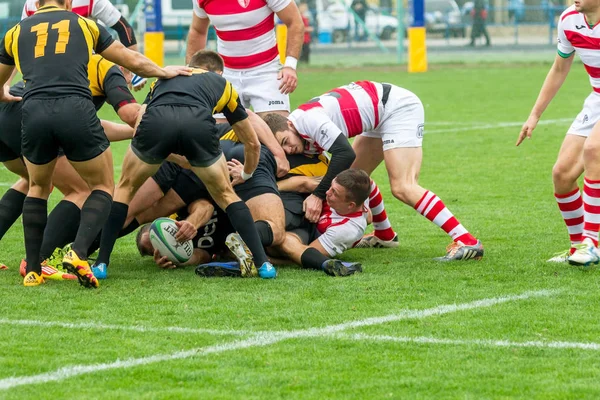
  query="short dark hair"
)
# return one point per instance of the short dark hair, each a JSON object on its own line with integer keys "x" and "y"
{"x": 138, "y": 240}
{"x": 208, "y": 60}
{"x": 276, "y": 122}
{"x": 357, "y": 183}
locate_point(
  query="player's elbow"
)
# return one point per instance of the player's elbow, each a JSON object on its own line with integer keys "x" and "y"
{"x": 129, "y": 113}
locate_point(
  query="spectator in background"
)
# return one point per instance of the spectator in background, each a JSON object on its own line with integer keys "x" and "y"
{"x": 360, "y": 9}
{"x": 308, "y": 29}
{"x": 479, "y": 14}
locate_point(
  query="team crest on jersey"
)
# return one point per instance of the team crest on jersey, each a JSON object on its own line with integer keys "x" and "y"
{"x": 244, "y": 3}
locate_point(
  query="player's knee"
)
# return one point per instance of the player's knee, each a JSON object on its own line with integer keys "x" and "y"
{"x": 563, "y": 174}
{"x": 591, "y": 151}
{"x": 402, "y": 190}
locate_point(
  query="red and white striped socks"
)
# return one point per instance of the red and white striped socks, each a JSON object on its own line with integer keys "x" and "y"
{"x": 591, "y": 209}
{"x": 571, "y": 209}
{"x": 381, "y": 223}
{"x": 433, "y": 208}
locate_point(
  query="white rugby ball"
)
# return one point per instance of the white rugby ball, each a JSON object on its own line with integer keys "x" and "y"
{"x": 162, "y": 237}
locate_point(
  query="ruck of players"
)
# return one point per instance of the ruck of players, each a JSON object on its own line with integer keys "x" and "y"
{"x": 205, "y": 184}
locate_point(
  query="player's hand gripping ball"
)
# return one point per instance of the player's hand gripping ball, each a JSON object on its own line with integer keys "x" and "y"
{"x": 162, "y": 237}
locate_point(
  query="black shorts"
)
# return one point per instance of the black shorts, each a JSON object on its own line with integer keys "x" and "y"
{"x": 166, "y": 175}
{"x": 263, "y": 179}
{"x": 307, "y": 232}
{"x": 67, "y": 122}
{"x": 10, "y": 131}
{"x": 189, "y": 187}
{"x": 185, "y": 130}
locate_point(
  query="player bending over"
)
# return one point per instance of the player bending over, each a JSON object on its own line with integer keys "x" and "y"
{"x": 387, "y": 123}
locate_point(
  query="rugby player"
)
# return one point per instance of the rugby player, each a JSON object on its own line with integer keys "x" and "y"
{"x": 178, "y": 119}
{"x": 108, "y": 85}
{"x": 387, "y": 123}
{"x": 52, "y": 49}
{"x": 580, "y": 148}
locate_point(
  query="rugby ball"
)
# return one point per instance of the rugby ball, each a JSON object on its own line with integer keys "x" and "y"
{"x": 162, "y": 237}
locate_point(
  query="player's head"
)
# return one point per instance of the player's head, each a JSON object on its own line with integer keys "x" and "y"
{"x": 285, "y": 132}
{"x": 66, "y": 4}
{"x": 584, "y": 6}
{"x": 348, "y": 191}
{"x": 142, "y": 241}
{"x": 208, "y": 60}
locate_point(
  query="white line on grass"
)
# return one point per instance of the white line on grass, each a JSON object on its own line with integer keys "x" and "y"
{"x": 262, "y": 339}
{"x": 473, "y": 342}
{"x": 495, "y": 125}
{"x": 136, "y": 328}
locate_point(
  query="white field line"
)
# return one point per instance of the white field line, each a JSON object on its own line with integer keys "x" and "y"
{"x": 135, "y": 328}
{"x": 473, "y": 342}
{"x": 496, "y": 125}
{"x": 264, "y": 339}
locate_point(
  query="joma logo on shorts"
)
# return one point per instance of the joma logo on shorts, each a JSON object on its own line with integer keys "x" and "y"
{"x": 272, "y": 102}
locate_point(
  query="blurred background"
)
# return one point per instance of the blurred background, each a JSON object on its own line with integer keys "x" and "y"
{"x": 348, "y": 33}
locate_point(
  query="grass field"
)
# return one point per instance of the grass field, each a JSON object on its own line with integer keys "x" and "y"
{"x": 508, "y": 326}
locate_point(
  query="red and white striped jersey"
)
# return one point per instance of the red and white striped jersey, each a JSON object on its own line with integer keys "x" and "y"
{"x": 245, "y": 29}
{"x": 349, "y": 110}
{"x": 340, "y": 232}
{"x": 98, "y": 10}
{"x": 575, "y": 35}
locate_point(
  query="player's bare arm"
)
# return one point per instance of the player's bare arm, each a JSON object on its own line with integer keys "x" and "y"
{"x": 245, "y": 132}
{"x": 200, "y": 212}
{"x": 197, "y": 36}
{"x": 140, "y": 64}
{"x": 290, "y": 16}
{"x": 6, "y": 72}
{"x": 266, "y": 137}
{"x": 554, "y": 80}
{"x": 300, "y": 184}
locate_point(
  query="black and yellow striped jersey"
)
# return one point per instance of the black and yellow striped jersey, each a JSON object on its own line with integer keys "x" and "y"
{"x": 203, "y": 89}
{"x": 307, "y": 165}
{"x": 108, "y": 84}
{"x": 52, "y": 49}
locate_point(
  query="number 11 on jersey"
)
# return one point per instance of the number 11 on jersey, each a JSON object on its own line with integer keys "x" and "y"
{"x": 41, "y": 31}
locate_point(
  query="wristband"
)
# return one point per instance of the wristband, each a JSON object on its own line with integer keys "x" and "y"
{"x": 246, "y": 176}
{"x": 291, "y": 62}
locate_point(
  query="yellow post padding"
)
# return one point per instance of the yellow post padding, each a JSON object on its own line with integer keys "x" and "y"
{"x": 154, "y": 47}
{"x": 281, "y": 35}
{"x": 417, "y": 50}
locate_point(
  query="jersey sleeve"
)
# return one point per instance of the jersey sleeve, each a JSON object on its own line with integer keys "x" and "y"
{"x": 25, "y": 12}
{"x": 315, "y": 126}
{"x": 564, "y": 46}
{"x": 278, "y": 5}
{"x": 341, "y": 237}
{"x": 6, "y": 53}
{"x": 230, "y": 105}
{"x": 105, "y": 39}
{"x": 199, "y": 11}
{"x": 116, "y": 90}
{"x": 105, "y": 12}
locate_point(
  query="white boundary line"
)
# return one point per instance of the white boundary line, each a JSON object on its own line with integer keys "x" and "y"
{"x": 135, "y": 328}
{"x": 473, "y": 342}
{"x": 496, "y": 125}
{"x": 263, "y": 339}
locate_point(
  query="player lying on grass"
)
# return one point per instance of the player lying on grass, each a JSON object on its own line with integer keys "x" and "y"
{"x": 108, "y": 86}
{"x": 387, "y": 123}
{"x": 335, "y": 232}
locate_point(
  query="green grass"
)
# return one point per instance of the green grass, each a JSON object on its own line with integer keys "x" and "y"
{"x": 502, "y": 194}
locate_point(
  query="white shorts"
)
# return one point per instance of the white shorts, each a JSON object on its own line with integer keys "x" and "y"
{"x": 402, "y": 122}
{"x": 587, "y": 118}
{"x": 258, "y": 87}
